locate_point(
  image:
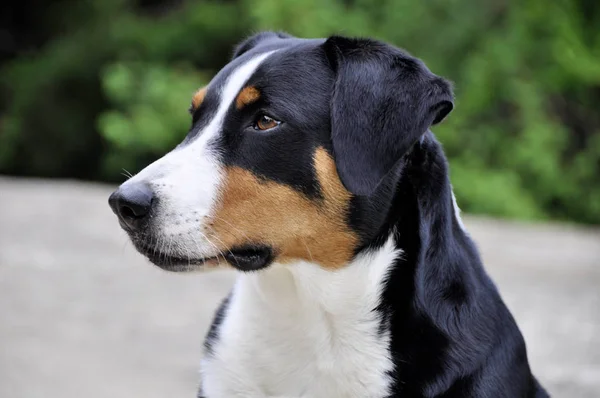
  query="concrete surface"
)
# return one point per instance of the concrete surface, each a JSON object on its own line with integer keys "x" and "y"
{"x": 82, "y": 315}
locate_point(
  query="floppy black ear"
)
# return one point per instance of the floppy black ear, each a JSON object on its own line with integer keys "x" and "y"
{"x": 384, "y": 100}
{"x": 256, "y": 39}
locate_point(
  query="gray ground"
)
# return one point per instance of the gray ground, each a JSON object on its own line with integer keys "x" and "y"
{"x": 82, "y": 315}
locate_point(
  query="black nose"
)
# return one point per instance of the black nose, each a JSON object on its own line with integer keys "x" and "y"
{"x": 132, "y": 203}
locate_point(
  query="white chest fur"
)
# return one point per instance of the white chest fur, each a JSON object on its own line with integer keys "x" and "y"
{"x": 300, "y": 331}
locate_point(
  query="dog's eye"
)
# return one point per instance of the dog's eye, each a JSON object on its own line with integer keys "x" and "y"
{"x": 264, "y": 122}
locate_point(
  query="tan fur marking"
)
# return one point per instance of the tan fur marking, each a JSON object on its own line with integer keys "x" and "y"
{"x": 252, "y": 210}
{"x": 198, "y": 98}
{"x": 247, "y": 96}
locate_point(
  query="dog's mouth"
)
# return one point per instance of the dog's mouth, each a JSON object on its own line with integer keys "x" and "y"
{"x": 176, "y": 263}
{"x": 244, "y": 258}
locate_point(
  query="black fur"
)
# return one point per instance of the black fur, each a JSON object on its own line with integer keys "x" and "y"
{"x": 383, "y": 101}
{"x": 259, "y": 38}
{"x": 451, "y": 334}
{"x": 285, "y": 154}
{"x": 371, "y": 105}
{"x": 213, "y": 331}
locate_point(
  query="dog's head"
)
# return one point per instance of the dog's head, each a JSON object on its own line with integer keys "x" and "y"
{"x": 292, "y": 155}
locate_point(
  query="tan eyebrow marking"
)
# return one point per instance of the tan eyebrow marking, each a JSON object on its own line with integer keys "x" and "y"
{"x": 248, "y": 95}
{"x": 198, "y": 98}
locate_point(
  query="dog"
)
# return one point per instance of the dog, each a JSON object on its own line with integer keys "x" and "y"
{"x": 310, "y": 168}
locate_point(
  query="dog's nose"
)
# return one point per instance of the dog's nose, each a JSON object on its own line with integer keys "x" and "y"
{"x": 132, "y": 203}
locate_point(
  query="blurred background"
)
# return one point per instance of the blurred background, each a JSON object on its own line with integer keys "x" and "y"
{"x": 91, "y": 89}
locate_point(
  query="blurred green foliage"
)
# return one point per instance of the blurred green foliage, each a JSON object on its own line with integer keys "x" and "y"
{"x": 111, "y": 89}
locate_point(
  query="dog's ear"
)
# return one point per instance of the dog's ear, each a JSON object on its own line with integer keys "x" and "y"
{"x": 256, "y": 39}
{"x": 383, "y": 101}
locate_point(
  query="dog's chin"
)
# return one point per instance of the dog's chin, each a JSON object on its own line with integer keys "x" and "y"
{"x": 173, "y": 263}
{"x": 243, "y": 258}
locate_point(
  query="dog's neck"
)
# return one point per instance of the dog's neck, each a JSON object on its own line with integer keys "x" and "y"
{"x": 312, "y": 332}
{"x": 304, "y": 286}
{"x": 410, "y": 264}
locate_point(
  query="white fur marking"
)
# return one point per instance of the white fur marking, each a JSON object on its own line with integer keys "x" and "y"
{"x": 234, "y": 84}
{"x": 457, "y": 213}
{"x": 186, "y": 180}
{"x": 299, "y": 330}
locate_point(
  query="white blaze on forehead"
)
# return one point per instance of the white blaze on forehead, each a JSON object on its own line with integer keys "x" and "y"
{"x": 188, "y": 156}
{"x": 186, "y": 180}
{"x": 234, "y": 84}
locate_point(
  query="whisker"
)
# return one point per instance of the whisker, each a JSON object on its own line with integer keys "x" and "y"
{"x": 308, "y": 250}
{"x": 234, "y": 227}
{"x": 216, "y": 247}
{"x": 161, "y": 248}
{"x": 189, "y": 258}
{"x": 123, "y": 247}
{"x": 222, "y": 243}
{"x": 156, "y": 244}
{"x": 169, "y": 245}
{"x": 199, "y": 251}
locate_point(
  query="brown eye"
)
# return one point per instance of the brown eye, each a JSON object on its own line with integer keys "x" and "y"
{"x": 265, "y": 122}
